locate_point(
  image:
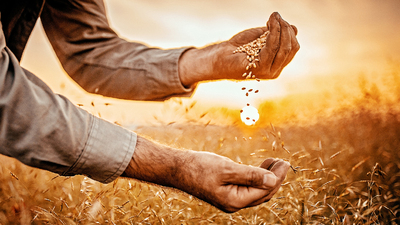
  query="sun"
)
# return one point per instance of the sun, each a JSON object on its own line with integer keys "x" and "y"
{"x": 249, "y": 115}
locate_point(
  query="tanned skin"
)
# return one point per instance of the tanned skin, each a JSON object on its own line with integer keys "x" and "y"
{"x": 218, "y": 180}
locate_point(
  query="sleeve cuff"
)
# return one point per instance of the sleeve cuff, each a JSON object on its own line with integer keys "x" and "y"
{"x": 166, "y": 74}
{"x": 107, "y": 153}
{"x": 175, "y": 79}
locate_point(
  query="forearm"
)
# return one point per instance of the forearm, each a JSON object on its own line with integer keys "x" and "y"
{"x": 197, "y": 65}
{"x": 212, "y": 178}
{"x": 156, "y": 163}
{"x": 213, "y": 62}
{"x": 45, "y": 130}
{"x": 166, "y": 166}
{"x": 103, "y": 63}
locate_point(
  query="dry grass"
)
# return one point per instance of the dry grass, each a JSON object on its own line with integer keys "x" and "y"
{"x": 345, "y": 154}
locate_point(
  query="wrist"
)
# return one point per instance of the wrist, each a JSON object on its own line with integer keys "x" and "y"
{"x": 198, "y": 64}
{"x": 155, "y": 163}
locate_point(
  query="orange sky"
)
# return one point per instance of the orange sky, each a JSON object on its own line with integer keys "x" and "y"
{"x": 336, "y": 37}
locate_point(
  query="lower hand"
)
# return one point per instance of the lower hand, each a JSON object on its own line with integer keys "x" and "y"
{"x": 231, "y": 186}
{"x": 215, "y": 179}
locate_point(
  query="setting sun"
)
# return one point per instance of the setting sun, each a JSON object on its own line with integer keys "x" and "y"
{"x": 249, "y": 115}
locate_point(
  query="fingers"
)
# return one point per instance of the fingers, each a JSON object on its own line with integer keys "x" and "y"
{"x": 280, "y": 169}
{"x": 268, "y": 163}
{"x": 267, "y": 55}
{"x": 251, "y": 177}
{"x": 279, "y": 51}
{"x": 285, "y": 48}
{"x": 294, "y": 47}
{"x": 247, "y": 196}
{"x": 267, "y": 176}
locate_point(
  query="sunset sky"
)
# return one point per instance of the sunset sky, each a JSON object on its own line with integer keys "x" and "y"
{"x": 336, "y": 38}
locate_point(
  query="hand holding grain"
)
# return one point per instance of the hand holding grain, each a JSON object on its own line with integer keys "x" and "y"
{"x": 220, "y": 62}
{"x": 215, "y": 179}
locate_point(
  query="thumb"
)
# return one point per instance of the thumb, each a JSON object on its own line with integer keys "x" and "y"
{"x": 280, "y": 169}
{"x": 252, "y": 177}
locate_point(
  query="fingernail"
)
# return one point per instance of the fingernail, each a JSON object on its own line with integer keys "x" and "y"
{"x": 269, "y": 180}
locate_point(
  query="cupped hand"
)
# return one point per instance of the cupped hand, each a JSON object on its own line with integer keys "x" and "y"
{"x": 231, "y": 186}
{"x": 281, "y": 46}
{"x": 210, "y": 177}
{"x": 216, "y": 62}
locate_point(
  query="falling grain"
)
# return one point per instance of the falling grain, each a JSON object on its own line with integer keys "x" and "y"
{"x": 359, "y": 164}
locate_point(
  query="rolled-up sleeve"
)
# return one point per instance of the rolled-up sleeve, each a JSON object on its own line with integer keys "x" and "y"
{"x": 101, "y": 62}
{"x": 107, "y": 152}
{"x": 45, "y": 130}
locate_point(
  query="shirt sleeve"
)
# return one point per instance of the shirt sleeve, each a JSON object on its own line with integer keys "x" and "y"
{"x": 45, "y": 130}
{"x": 103, "y": 63}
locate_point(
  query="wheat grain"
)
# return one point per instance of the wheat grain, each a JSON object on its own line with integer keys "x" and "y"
{"x": 252, "y": 49}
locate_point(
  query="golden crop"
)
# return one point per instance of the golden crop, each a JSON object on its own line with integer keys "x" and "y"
{"x": 344, "y": 150}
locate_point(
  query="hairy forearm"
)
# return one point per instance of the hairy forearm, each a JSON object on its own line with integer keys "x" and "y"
{"x": 215, "y": 179}
{"x": 155, "y": 163}
{"x": 166, "y": 166}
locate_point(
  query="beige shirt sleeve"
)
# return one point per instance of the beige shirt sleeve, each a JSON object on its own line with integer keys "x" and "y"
{"x": 103, "y": 63}
{"x": 45, "y": 130}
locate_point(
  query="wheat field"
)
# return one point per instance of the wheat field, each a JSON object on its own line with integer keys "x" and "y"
{"x": 343, "y": 148}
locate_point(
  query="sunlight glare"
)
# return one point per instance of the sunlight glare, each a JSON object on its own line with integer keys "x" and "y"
{"x": 249, "y": 115}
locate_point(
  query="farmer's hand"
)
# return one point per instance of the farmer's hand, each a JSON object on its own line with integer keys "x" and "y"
{"x": 215, "y": 179}
{"x": 228, "y": 185}
{"x": 218, "y": 61}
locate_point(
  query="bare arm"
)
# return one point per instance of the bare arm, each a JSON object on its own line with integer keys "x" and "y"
{"x": 215, "y": 179}
{"x": 210, "y": 177}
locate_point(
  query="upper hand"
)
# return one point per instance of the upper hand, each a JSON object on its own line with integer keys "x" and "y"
{"x": 218, "y": 61}
{"x": 281, "y": 46}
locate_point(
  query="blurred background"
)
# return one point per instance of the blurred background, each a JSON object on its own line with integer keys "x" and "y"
{"x": 339, "y": 41}
{"x": 334, "y": 114}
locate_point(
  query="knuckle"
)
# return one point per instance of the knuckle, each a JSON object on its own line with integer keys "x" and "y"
{"x": 287, "y": 50}
{"x": 274, "y": 48}
{"x": 285, "y": 25}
